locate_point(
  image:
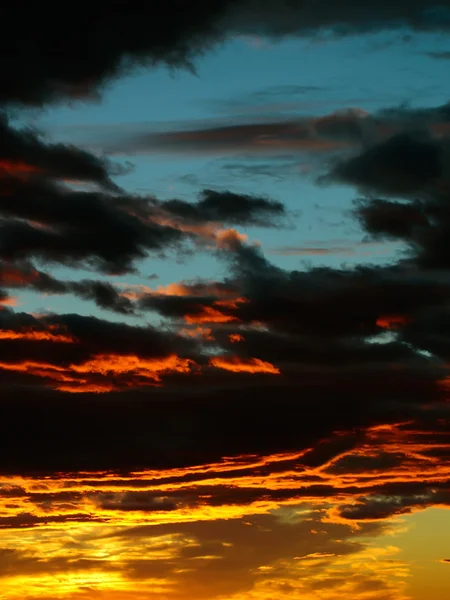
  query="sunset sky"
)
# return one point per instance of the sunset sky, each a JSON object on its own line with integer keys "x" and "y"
{"x": 225, "y": 300}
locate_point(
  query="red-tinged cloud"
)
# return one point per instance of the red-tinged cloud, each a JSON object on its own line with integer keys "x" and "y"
{"x": 238, "y": 365}
{"x": 220, "y": 311}
{"x": 18, "y": 169}
{"x": 340, "y": 133}
{"x": 252, "y": 138}
{"x": 235, "y": 337}
{"x": 198, "y": 332}
{"x": 195, "y": 289}
{"x": 24, "y": 153}
{"x": 391, "y": 321}
{"x": 18, "y": 275}
{"x": 104, "y": 373}
{"x": 51, "y": 335}
{"x": 209, "y": 314}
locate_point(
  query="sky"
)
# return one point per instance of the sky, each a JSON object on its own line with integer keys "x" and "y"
{"x": 224, "y": 301}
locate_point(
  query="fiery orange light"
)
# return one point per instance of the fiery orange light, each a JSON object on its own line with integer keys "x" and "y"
{"x": 235, "y": 337}
{"x": 150, "y": 368}
{"x": 137, "y": 292}
{"x": 209, "y": 314}
{"x": 32, "y": 334}
{"x": 391, "y": 321}
{"x": 239, "y": 365}
{"x": 133, "y": 371}
{"x": 215, "y": 314}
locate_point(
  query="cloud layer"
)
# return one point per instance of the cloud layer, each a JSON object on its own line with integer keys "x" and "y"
{"x": 270, "y": 425}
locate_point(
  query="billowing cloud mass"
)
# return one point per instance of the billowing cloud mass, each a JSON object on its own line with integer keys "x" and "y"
{"x": 263, "y": 433}
{"x": 127, "y": 35}
{"x": 49, "y": 222}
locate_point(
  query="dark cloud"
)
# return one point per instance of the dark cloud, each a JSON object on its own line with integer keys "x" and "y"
{"x": 26, "y": 520}
{"x": 25, "y": 149}
{"x": 274, "y": 169}
{"x": 383, "y": 461}
{"x": 232, "y": 543}
{"x": 177, "y": 426}
{"x": 316, "y": 329}
{"x": 235, "y": 209}
{"x": 22, "y": 275}
{"x": 128, "y": 35}
{"x": 425, "y": 226}
{"x": 35, "y": 74}
{"x": 328, "y": 302}
{"x": 382, "y": 506}
{"x": 46, "y": 221}
{"x": 439, "y": 55}
{"x": 383, "y": 218}
{"x": 87, "y": 337}
{"x": 76, "y": 227}
{"x": 412, "y": 172}
{"x": 401, "y": 166}
{"x": 131, "y": 501}
{"x": 104, "y": 294}
{"x": 430, "y": 331}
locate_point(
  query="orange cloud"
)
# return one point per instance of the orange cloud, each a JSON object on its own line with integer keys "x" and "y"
{"x": 217, "y": 312}
{"x": 228, "y": 239}
{"x": 194, "y": 289}
{"x": 235, "y": 337}
{"x": 261, "y": 482}
{"x": 391, "y": 321}
{"x": 37, "y": 335}
{"x": 14, "y": 277}
{"x": 178, "y": 288}
{"x": 198, "y": 332}
{"x": 119, "y": 371}
{"x": 150, "y": 368}
{"x": 210, "y": 233}
{"x": 209, "y": 314}
{"x": 10, "y": 301}
{"x": 239, "y": 365}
